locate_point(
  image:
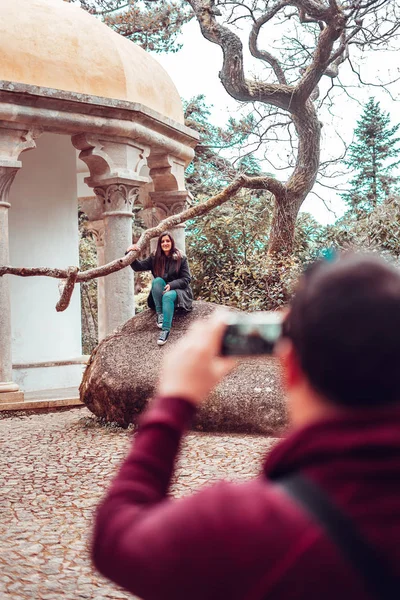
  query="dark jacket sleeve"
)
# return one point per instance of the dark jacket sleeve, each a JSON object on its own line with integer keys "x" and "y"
{"x": 184, "y": 276}
{"x": 143, "y": 265}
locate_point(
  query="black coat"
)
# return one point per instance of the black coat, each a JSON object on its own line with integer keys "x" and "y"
{"x": 178, "y": 281}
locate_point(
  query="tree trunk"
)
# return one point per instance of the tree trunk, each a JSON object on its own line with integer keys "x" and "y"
{"x": 281, "y": 240}
{"x": 280, "y": 251}
{"x": 300, "y": 183}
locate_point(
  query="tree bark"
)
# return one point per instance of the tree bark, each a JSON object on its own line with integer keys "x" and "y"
{"x": 295, "y": 99}
{"x": 283, "y": 226}
{"x": 300, "y": 183}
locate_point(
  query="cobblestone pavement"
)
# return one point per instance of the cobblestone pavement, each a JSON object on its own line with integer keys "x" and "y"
{"x": 54, "y": 468}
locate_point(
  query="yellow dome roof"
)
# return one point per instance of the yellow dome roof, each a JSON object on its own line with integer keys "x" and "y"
{"x": 55, "y": 44}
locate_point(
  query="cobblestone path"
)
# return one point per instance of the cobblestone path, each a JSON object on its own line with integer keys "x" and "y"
{"x": 54, "y": 468}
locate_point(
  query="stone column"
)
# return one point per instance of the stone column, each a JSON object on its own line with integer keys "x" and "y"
{"x": 12, "y": 143}
{"x": 115, "y": 166}
{"x": 118, "y": 200}
{"x": 7, "y": 175}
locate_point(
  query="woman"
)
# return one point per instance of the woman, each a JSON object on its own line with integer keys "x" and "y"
{"x": 170, "y": 287}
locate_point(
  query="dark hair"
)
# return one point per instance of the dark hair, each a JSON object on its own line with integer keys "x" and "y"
{"x": 344, "y": 323}
{"x": 160, "y": 259}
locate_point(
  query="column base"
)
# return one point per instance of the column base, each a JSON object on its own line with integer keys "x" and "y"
{"x": 6, "y": 397}
{"x": 8, "y": 386}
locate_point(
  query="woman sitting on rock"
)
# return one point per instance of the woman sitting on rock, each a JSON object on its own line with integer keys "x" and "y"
{"x": 170, "y": 287}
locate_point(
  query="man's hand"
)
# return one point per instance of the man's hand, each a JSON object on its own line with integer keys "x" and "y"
{"x": 167, "y": 288}
{"x": 193, "y": 367}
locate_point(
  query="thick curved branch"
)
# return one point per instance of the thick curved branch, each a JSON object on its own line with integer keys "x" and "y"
{"x": 232, "y": 73}
{"x": 341, "y": 54}
{"x": 263, "y": 54}
{"x": 73, "y": 276}
{"x": 322, "y": 58}
{"x": 69, "y": 286}
{"x": 339, "y": 57}
{"x": 313, "y": 11}
{"x": 308, "y": 129}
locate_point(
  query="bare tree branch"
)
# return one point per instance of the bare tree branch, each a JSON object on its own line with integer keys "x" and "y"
{"x": 325, "y": 31}
{"x": 232, "y": 73}
{"x": 262, "y": 54}
{"x": 336, "y": 22}
{"x": 67, "y": 292}
{"x": 72, "y": 274}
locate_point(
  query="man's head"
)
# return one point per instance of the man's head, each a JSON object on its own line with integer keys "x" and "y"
{"x": 344, "y": 332}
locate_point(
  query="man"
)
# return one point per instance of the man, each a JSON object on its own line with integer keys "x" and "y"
{"x": 341, "y": 365}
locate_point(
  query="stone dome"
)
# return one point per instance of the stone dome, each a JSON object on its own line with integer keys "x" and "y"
{"x": 55, "y": 44}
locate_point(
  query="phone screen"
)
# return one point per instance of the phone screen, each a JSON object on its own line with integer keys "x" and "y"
{"x": 250, "y": 338}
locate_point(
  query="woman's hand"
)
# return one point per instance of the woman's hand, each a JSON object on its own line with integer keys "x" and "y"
{"x": 193, "y": 367}
{"x": 167, "y": 288}
{"x": 132, "y": 247}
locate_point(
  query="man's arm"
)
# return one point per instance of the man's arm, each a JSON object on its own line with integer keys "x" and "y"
{"x": 137, "y": 500}
{"x": 158, "y": 548}
{"x": 155, "y": 547}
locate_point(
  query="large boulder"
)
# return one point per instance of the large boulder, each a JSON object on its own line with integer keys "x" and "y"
{"x": 123, "y": 370}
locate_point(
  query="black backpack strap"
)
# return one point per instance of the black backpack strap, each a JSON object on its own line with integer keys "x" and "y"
{"x": 380, "y": 581}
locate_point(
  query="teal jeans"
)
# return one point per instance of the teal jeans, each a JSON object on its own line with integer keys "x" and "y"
{"x": 165, "y": 303}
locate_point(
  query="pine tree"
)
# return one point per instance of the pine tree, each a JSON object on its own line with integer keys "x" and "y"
{"x": 374, "y": 156}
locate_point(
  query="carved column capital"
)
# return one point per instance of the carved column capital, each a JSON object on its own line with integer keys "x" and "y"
{"x": 117, "y": 198}
{"x": 7, "y": 175}
{"x": 96, "y": 228}
{"x": 14, "y": 141}
{"x": 169, "y": 203}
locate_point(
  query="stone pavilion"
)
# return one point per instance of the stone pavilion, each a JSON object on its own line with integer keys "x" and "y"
{"x": 85, "y": 117}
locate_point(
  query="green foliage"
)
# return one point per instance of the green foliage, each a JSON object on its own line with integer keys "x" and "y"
{"x": 227, "y": 254}
{"x": 377, "y": 231}
{"x": 373, "y": 156}
{"x": 310, "y": 240}
{"x": 210, "y": 169}
{"x": 227, "y": 248}
{"x": 142, "y": 290}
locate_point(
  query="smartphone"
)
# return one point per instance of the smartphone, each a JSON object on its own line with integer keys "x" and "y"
{"x": 251, "y": 334}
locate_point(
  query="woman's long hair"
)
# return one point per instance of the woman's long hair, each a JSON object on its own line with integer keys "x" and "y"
{"x": 160, "y": 259}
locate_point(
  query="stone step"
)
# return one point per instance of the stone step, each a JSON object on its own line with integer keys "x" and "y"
{"x": 11, "y": 397}
{"x": 47, "y": 400}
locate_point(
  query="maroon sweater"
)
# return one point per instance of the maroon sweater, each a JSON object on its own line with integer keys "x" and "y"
{"x": 249, "y": 540}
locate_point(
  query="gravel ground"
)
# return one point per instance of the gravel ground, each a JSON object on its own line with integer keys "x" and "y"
{"x": 54, "y": 469}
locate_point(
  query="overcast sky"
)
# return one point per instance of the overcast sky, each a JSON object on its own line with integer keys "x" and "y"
{"x": 194, "y": 69}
